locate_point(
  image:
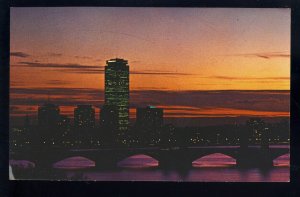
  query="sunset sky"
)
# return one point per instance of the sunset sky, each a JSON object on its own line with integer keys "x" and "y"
{"x": 196, "y": 63}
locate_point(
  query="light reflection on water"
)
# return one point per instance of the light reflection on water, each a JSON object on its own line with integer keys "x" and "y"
{"x": 215, "y": 167}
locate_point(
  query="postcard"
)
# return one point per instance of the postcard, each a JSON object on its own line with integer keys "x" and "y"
{"x": 150, "y": 94}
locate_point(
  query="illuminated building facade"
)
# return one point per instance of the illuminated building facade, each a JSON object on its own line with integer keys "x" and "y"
{"x": 117, "y": 90}
{"x": 84, "y": 116}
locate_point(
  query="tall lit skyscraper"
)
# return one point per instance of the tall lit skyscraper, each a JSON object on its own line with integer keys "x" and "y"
{"x": 117, "y": 90}
{"x": 84, "y": 116}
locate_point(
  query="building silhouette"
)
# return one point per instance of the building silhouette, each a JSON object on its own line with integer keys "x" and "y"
{"x": 48, "y": 115}
{"x": 109, "y": 123}
{"x": 64, "y": 121}
{"x": 149, "y": 117}
{"x": 109, "y": 117}
{"x": 256, "y": 127}
{"x": 117, "y": 90}
{"x": 84, "y": 116}
{"x": 26, "y": 121}
{"x": 149, "y": 122}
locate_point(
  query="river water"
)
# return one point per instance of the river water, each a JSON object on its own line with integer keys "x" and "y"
{"x": 212, "y": 168}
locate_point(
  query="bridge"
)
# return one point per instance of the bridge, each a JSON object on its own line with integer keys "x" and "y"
{"x": 176, "y": 157}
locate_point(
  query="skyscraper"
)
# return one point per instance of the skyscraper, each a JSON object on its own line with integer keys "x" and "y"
{"x": 84, "y": 116}
{"x": 149, "y": 122}
{"x": 149, "y": 117}
{"x": 117, "y": 90}
{"x": 64, "y": 121}
{"x": 48, "y": 115}
{"x": 109, "y": 124}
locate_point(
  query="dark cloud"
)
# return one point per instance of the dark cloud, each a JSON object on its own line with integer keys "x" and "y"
{"x": 99, "y": 71}
{"x": 84, "y": 71}
{"x": 89, "y": 69}
{"x": 214, "y": 84}
{"x": 55, "y": 65}
{"x": 55, "y": 91}
{"x": 150, "y": 88}
{"x": 158, "y": 73}
{"x": 19, "y": 54}
{"x": 57, "y": 82}
{"x": 61, "y": 96}
{"x": 267, "y": 55}
{"x": 70, "y": 101}
{"x": 83, "y": 57}
{"x": 247, "y": 100}
{"x": 180, "y": 106}
{"x": 16, "y": 83}
{"x": 260, "y": 100}
{"x": 55, "y": 54}
{"x": 12, "y": 109}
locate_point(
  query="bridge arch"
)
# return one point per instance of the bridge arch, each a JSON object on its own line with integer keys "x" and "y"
{"x": 282, "y": 160}
{"x": 56, "y": 160}
{"x": 21, "y": 164}
{"x": 214, "y": 160}
{"x": 137, "y": 160}
{"x": 74, "y": 162}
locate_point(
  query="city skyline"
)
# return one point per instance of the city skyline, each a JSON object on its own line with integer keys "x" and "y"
{"x": 199, "y": 63}
{"x": 246, "y": 114}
